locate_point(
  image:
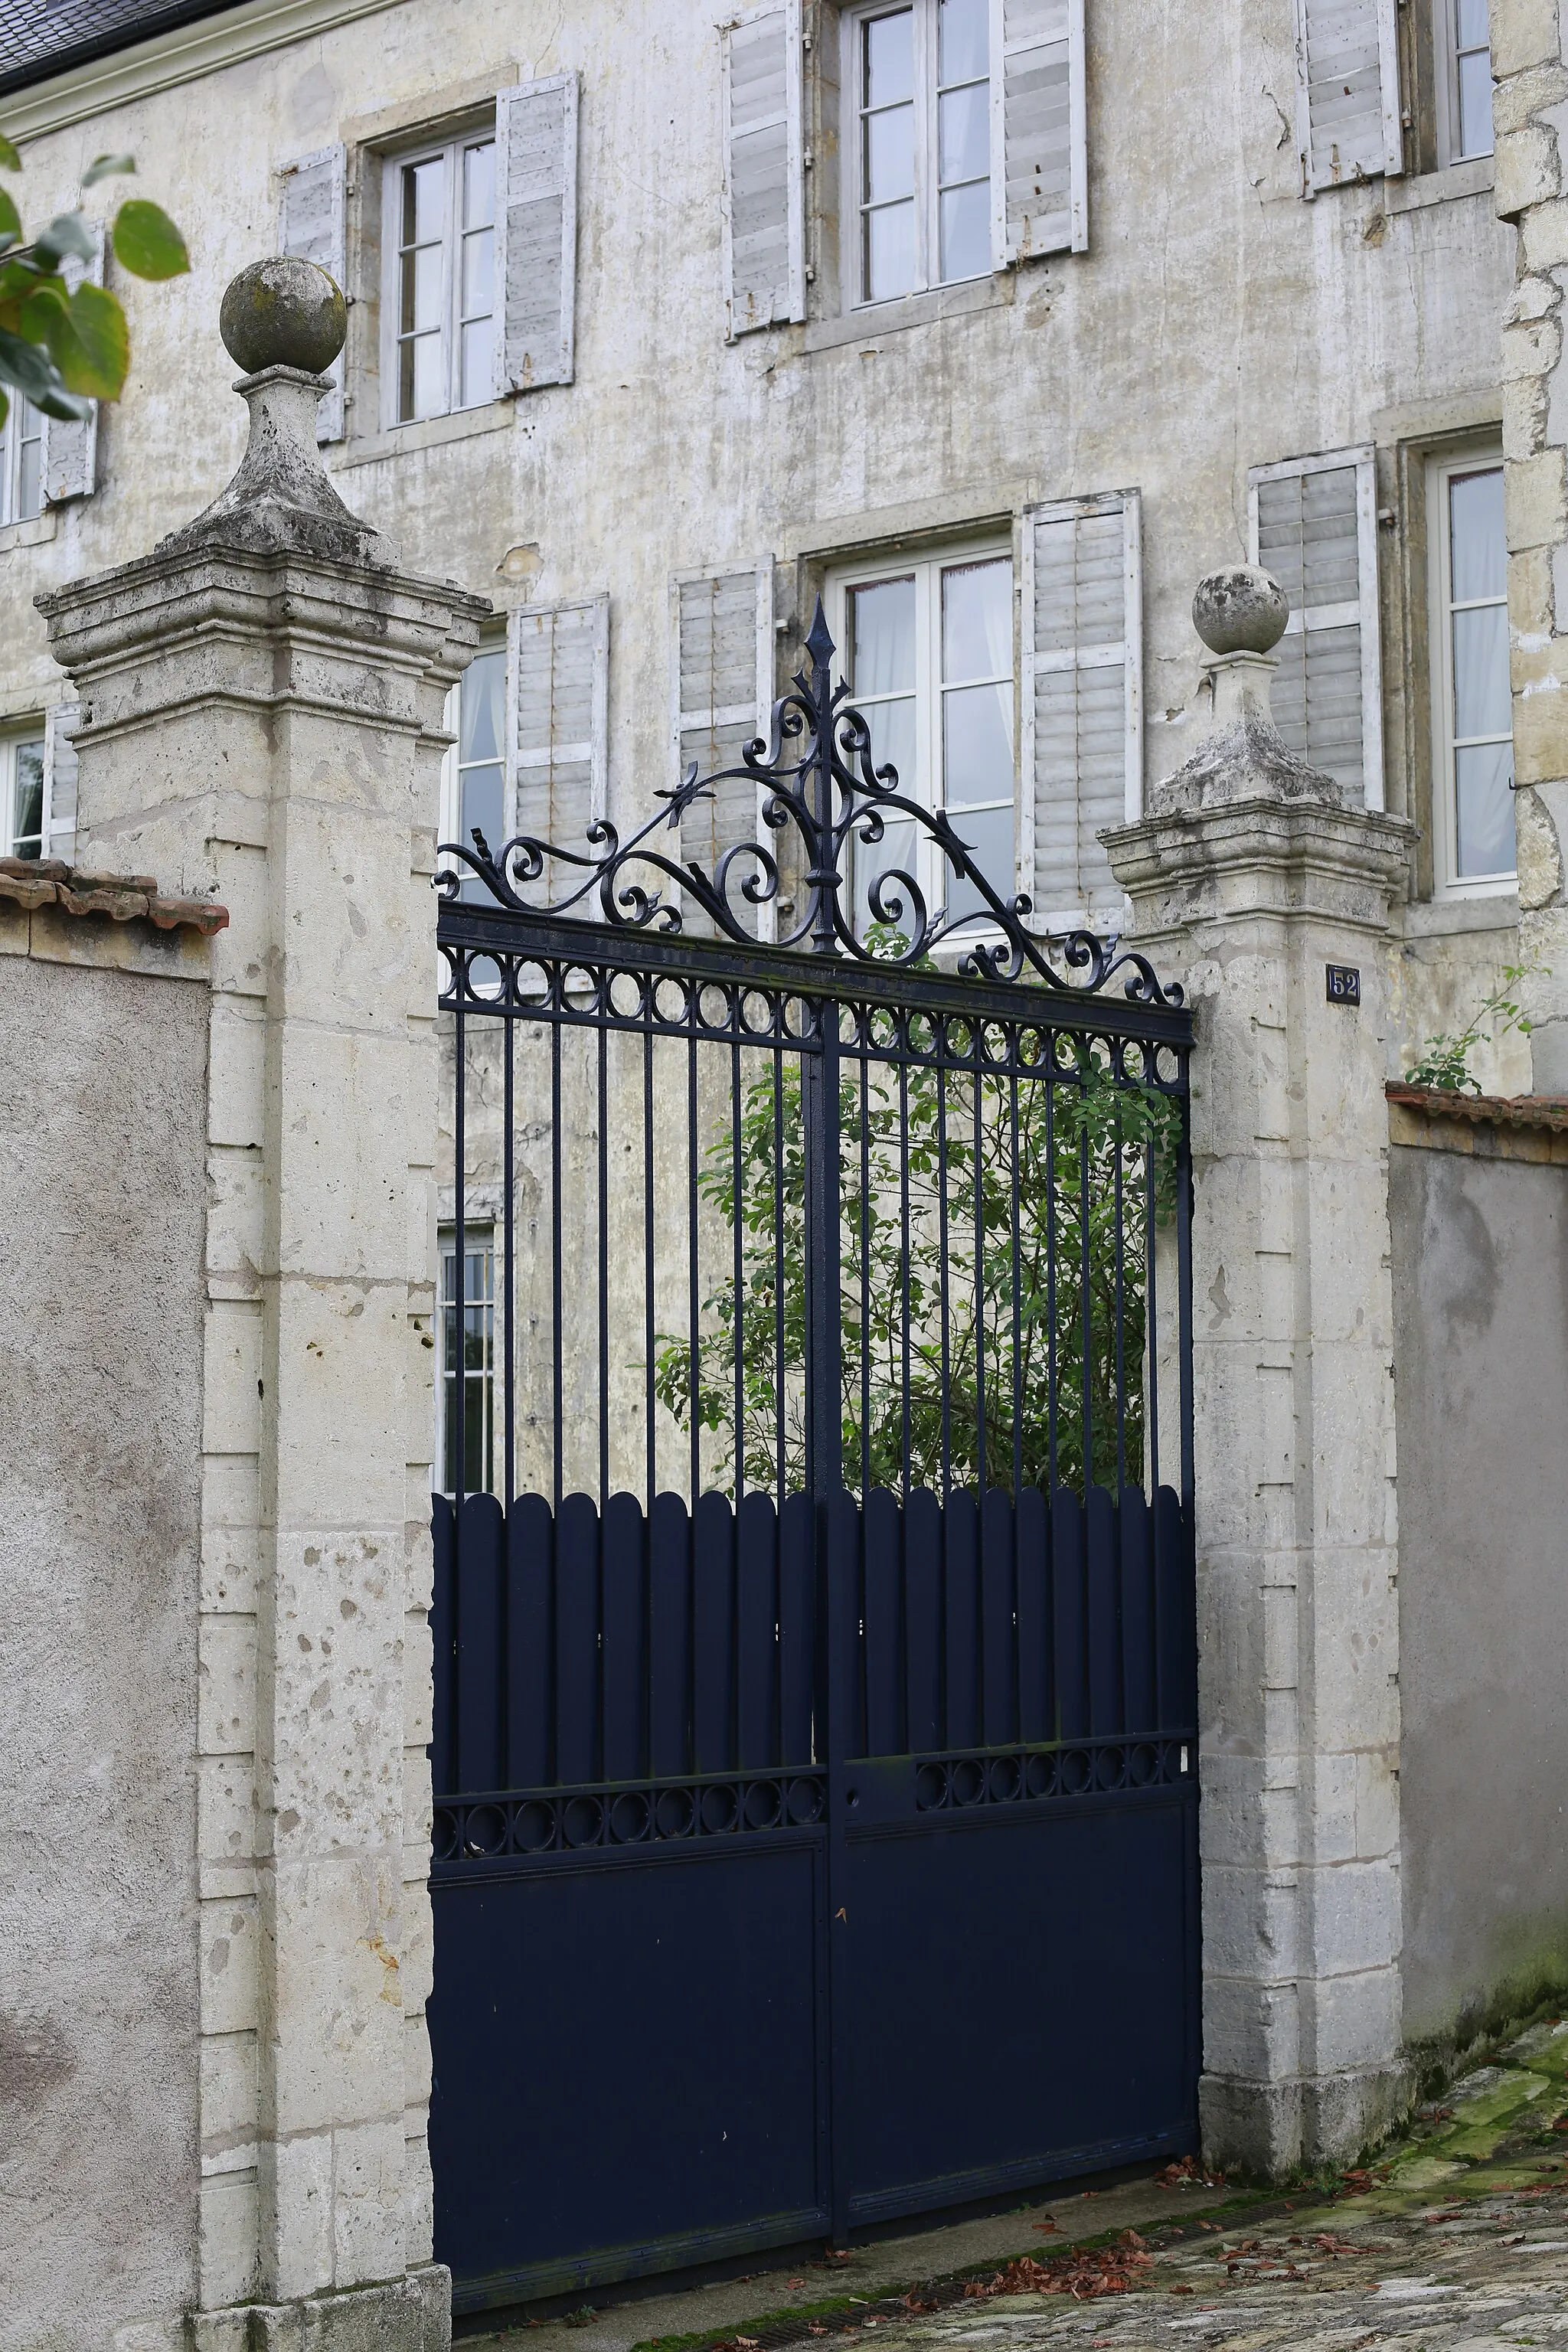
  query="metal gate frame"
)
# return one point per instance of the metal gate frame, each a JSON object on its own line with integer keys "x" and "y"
{"x": 843, "y": 1786}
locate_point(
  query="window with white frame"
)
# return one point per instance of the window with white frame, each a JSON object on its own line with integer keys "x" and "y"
{"x": 530, "y": 718}
{"x": 1313, "y": 522}
{"x": 21, "y": 462}
{"x": 1472, "y": 723}
{"x": 920, "y": 134}
{"x": 438, "y": 236}
{"x": 1462, "y": 58}
{"x": 22, "y": 796}
{"x": 465, "y": 1450}
{"x": 928, "y": 652}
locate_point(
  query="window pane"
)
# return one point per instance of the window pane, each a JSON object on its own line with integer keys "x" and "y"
{"x": 426, "y": 375}
{"x": 1472, "y": 24}
{"x": 482, "y": 806}
{"x": 882, "y": 637}
{"x": 480, "y": 185}
{"x": 890, "y": 252}
{"x": 895, "y": 853}
{"x": 989, "y": 836}
{"x": 889, "y": 154}
{"x": 893, "y": 726}
{"x": 961, "y": 39}
{"x": 1485, "y": 812}
{"x": 1475, "y": 104}
{"x": 478, "y": 363}
{"x": 977, "y": 744}
{"x": 977, "y": 620}
{"x": 479, "y": 274}
{"x": 27, "y": 802}
{"x": 965, "y": 232}
{"x": 424, "y": 192}
{"x": 480, "y": 721}
{"x": 422, "y": 288}
{"x": 1480, "y": 672}
{"x": 888, "y": 60}
{"x": 963, "y": 133}
{"x": 29, "y": 485}
{"x": 1479, "y": 554}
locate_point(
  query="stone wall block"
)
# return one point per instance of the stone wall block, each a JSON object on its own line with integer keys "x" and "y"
{"x": 337, "y": 1668}
{"x": 344, "y": 1215}
{"x": 1251, "y": 1924}
{"x": 226, "y": 1715}
{"x": 226, "y": 2257}
{"x": 1350, "y": 1919}
{"x": 1537, "y": 515}
{"x": 330, "y": 1333}
{"x": 1530, "y": 587}
{"x": 295, "y": 2206}
{"x": 1526, "y": 171}
{"x": 1544, "y": 235}
{"x": 369, "y": 2220}
{"x": 236, "y": 1065}
{"x": 229, "y": 1964}
{"x": 1251, "y": 2031}
{"x": 1524, "y": 34}
{"x": 1348, "y": 2021}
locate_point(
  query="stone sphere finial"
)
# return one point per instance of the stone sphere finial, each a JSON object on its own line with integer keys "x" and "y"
{"x": 283, "y": 313}
{"x": 1241, "y": 610}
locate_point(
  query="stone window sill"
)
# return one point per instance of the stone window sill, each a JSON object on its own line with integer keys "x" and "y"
{"x": 35, "y": 533}
{"x": 430, "y": 433}
{"x": 1428, "y": 919}
{"x": 1476, "y": 178}
{"x": 879, "y": 319}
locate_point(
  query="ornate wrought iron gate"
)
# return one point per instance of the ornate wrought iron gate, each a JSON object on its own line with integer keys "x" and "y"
{"x": 814, "y": 1753}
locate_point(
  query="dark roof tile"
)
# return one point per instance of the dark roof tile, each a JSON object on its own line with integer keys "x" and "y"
{"x": 42, "y": 37}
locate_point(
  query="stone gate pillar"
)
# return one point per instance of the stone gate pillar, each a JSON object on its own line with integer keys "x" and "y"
{"x": 1254, "y": 885}
{"x": 263, "y": 702}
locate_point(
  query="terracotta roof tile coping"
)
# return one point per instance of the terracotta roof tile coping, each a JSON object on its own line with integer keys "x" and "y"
{"x": 49, "y": 882}
{"x": 1487, "y": 1110}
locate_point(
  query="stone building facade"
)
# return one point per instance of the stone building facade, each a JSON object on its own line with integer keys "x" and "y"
{"x": 662, "y": 321}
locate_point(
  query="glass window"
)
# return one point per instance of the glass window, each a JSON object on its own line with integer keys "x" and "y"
{"x": 22, "y": 777}
{"x": 921, "y": 80}
{"x": 1465, "y": 74}
{"x": 928, "y": 651}
{"x": 474, "y": 779}
{"x": 467, "y": 1342}
{"x": 1472, "y": 709}
{"x": 441, "y": 243}
{"x": 21, "y": 462}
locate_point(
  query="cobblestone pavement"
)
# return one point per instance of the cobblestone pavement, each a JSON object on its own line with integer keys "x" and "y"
{"x": 1484, "y": 2274}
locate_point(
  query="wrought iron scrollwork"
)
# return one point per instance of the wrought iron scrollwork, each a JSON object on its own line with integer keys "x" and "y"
{"x": 815, "y": 777}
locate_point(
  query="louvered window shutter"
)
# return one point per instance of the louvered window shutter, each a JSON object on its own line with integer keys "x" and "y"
{"x": 721, "y": 695}
{"x": 70, "y": 447}
{"x": 560, "y": 663}
{"x": 536, "y": 232}
{"x": 764, "y": 205}
{"x": 59, "y": 779}
{"x": 1347, "y": 91}
{"x": 314, "y": 226}
{"x": 1313, "y": 524}
{"x": 1039, "y": 159}
{"x": 1082, "y": 702}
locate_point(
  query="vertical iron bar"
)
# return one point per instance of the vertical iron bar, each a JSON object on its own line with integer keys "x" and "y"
{"x": 693, "y": 1274}
{"x": 904, "y": 1245}
{"x": 941, "y": 1028}
{"x": 458, "y": 1407}
{"x": 1049, "y": 1084}
{"x": 1120, "y": 1309}
{"x": 1086, "y": 1365}
{"x": 820, "y": 1127}
{"x": 604, "y": 1246}
{"x": 650, "y": 1436}
{"x": 866, "y": 1257}
{"x": 555, "y": 1282}
{"x": 737, "y": 1181}
{"x": 509, "y": 1362}
{"x": 976, "y": 1036}
{"x": 1152, "y": 1308}
{"x": 1185, "y": 1290}
{"x": 780, "y": 1403}
{"x": 1018, "y": 1282}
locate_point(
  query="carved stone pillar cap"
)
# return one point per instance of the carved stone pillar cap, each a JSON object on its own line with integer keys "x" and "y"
{"x": 1241, "y": 610}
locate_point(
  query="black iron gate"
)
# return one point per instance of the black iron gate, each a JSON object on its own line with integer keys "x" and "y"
{"x": 815, "y": 1753}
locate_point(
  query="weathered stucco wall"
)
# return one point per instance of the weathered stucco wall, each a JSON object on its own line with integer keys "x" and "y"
{"x": 1217, "y": 322}
{"x": 103, "y": 1095}
{"x": 1481, "y": 1291}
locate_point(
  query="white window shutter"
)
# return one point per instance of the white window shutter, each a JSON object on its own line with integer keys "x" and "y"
{"x": 721, "y": 685}
{"x": 313, "y": 226}
{"x": 536, "y": 232}
{"x": 1083, "y": 680}
{"x": 60, "y": 779}
{"x": 1040, "y": 151}
{"x": 70, "y": 448}
{"x": 765, "y": 196}
{"x": 1313, "y": 522}
{"x": 1348, "y": 123}
{"x": 559, "y": 671}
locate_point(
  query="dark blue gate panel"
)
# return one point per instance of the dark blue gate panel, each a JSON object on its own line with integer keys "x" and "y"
{"x": 650, "y": 2023}
{"x": 1020, "y": 1997}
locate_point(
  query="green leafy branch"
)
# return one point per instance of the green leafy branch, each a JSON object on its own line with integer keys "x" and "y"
{"x": 64, "y": 341}
{"x": 1445, "y": 1062}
